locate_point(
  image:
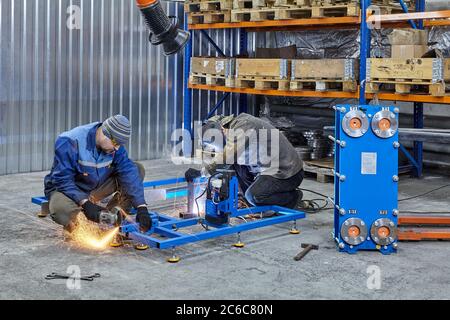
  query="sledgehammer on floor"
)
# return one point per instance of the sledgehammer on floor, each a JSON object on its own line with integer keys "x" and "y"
{"x": 307, "y": 248}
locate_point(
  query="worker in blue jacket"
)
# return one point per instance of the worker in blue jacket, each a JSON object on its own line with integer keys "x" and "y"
{"x": 90, "y": 164}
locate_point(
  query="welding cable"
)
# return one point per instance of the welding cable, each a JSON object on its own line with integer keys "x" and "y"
{"x": 315, "y": 207}
{"x": 315, "y": 192}
{"x": 424, "y": 194}
{"x": 312, "y": 206}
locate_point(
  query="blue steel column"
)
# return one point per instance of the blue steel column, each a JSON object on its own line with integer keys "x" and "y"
{"x": 418, "y": 113}
{"x": 243, "y": 50}
{"x": 364, "y": 50}
{"x": 187, "y": 97}
{"x": 420, "y": 7}
{"x": 418, "y": 146}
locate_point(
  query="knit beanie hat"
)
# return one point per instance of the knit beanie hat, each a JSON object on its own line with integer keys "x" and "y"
{"x": 117, "y": 128}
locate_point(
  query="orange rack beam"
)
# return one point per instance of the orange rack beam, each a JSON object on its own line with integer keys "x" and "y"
{"x": 390, "y": 20}
{"x": 408, "y": 16}
{"x": 327, "y": 94}
{"x": 313, "y": 94}
{"x": 411, "y": 98}
{"x": 424, "y": 234}
{"x": 423, "y": 220}
{"x": 307, "y": 23}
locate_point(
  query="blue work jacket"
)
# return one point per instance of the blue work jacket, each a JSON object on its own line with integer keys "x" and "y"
{"x": 79, "y": 167}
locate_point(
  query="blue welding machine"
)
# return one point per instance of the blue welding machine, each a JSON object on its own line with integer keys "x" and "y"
{"x": 366, "y": 178}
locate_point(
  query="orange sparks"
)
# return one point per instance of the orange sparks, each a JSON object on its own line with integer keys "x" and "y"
{"x": 91, "y": 235}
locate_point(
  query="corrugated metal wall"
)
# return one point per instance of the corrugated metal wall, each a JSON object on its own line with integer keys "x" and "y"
{"x": 54, "y": 78}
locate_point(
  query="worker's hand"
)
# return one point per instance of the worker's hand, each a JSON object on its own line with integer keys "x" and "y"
{"x": 92, "y": 211}
{"x": 144, "y": 219}
{"x": 192, "y": 174}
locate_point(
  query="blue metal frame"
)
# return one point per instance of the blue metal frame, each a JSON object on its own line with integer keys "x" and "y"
{"x": 218, "y": 105}
{"x": 168, "y": 227}
{"x": 211, "y": 41}
{"x": 364, "y": 50}
{"x": 418, "y": 113}
{"x": 243, "y": 51}
{"x": 418, "y": 145}
{"x": 405, "y": 9}
{"x": 187, "y": 97}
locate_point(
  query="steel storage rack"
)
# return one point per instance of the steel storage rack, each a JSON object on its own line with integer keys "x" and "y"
{"x": 418, "y": 19}
{"x": 363, "y": 22}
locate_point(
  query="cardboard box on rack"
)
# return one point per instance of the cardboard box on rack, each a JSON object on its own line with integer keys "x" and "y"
{"x": 408, "y": 37}
{"x": 408, "y": 51}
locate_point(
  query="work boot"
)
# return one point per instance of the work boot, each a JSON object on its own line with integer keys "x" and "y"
{"x": 67, "y": 232}
{"x": 299, "y": 201}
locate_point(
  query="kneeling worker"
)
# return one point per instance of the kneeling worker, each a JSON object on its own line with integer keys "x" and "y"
{"x": 262, "y": 183}
{"x": 90, "y": 164}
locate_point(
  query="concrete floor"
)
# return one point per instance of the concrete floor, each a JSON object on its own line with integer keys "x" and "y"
{"x": 32, "y": 247}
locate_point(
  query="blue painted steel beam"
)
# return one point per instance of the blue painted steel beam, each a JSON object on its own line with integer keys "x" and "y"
{"x": 39, "y": 200}
{"x": 243, "y": 51}
{"x": 227, "y": 230}
{"x": 150, "y": 184}
{"x": 218, "y": 105}
{"x": 364, "y": 51}
{"x": 409, "y": 156}
{"x": 405, "y": 9}
{"x": 420, "y": 7}
{"x": 187, "y": 97}
{"x": 160, "y": 183}
{"x": 211, "y": 41}
{"x": 418, "y": 145}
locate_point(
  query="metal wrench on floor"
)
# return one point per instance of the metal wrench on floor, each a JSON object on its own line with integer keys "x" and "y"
{"x": 54, "y": 276}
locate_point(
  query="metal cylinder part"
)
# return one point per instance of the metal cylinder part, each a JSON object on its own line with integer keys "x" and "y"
{"x": 355, "y": 123}
{"x": 384, "y": 124}
{"x": 383, "y": 232}
{"x": 354, "y": 231}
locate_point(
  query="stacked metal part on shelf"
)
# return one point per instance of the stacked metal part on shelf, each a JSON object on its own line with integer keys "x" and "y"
{"x": 319, "y": 145}
{"x": 304, "y": 152}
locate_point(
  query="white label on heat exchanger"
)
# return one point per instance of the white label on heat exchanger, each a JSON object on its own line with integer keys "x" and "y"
{"x": 369, "y": 163}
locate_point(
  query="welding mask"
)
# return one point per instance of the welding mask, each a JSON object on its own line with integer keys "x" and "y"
{"x": 163, "y": 29}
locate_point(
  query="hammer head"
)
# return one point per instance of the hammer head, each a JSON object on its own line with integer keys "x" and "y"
{"x": 308, "y": 245}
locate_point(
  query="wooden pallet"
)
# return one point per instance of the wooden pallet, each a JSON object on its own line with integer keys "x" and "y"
{"x": 253, "y": 14}
{"x": 252, "y": 4}
{"x": 336, "y": 10}
{"x": 207, "y": 5}
{"x": 406, "y": 86}
{"x": 286, "y": 13}
{"x": 261, "y": 83}
{"x": 388, "y": 9}
{"x": 211, "y": 80}
{"x": 294, "y": 13}
{"x": 291, "y": 3}
{"x": 406, "y": 75}
{"x": 324, "y": 85}
{"x": 323, "y": 169}
{"x": 209, "y": 17}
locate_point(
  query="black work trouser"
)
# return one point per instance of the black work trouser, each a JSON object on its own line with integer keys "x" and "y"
{"x": 264, "y": 190}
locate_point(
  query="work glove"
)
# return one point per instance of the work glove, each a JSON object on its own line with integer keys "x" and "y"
{"x": 192, "y": 174}
{"x": 144, "y": 219}
{"x": 92, "y": 211}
